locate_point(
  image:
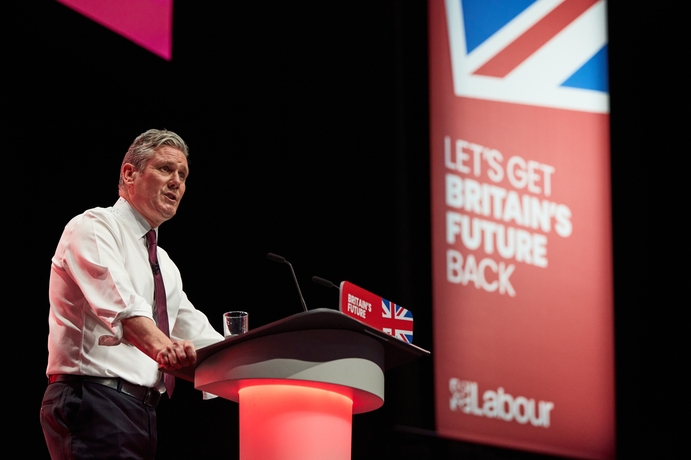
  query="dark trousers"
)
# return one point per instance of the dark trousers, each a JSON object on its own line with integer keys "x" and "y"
{"x": 85, "y": 420}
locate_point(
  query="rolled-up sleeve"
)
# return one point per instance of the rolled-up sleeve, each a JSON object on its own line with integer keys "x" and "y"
{"x": 93, "y": 255}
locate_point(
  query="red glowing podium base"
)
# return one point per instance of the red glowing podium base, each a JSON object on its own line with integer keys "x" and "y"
{"x": 291, "y": 421}
{"x": 299, "y": 381}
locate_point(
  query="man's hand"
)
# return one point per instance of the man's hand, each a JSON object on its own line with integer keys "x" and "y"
{"x": 176, "y": 355}
{"x": 142, "y": 332}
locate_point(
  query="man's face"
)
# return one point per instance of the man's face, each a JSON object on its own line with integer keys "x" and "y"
{"x": 156, "y": 191}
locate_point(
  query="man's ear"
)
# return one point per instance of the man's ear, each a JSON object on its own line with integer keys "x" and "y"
{"x": 128, "y": 173}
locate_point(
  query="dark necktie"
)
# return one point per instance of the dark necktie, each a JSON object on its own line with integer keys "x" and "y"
{"x": 160, "y": 308}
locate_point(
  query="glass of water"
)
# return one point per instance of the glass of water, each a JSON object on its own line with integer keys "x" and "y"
{"x": 234, "y": 323}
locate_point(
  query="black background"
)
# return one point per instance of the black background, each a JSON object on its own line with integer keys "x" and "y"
{"x": 308, "y": 132}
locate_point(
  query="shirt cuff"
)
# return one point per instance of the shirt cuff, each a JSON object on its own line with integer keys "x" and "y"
{"x": 137, "y": 308}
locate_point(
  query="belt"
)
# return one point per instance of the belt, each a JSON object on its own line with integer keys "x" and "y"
{"x": 148, "y": 396}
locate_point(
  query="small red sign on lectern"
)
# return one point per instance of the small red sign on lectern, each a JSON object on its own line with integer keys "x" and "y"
{"x": 377, "y": 312}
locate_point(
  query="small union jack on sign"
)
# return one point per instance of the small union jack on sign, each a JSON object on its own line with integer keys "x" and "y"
{"x": 397, "y": 321}
{"x": 377, "y": 312}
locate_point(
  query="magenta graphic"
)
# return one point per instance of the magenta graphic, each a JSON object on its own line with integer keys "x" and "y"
{"x": 148, "y": 23}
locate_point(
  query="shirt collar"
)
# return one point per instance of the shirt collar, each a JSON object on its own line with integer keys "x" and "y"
{"x": 133, "y": 219}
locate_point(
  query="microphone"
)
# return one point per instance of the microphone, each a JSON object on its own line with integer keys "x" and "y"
{"x": 276, "y": 258}
{"x": 324, "y": 282}
{"x": 282, "y": 260}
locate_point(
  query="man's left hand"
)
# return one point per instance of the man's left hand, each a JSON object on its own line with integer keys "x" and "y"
{"x": 177, "y": 355}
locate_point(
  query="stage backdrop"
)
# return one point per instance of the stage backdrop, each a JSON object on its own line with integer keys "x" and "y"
{"x": 522, "y": 257}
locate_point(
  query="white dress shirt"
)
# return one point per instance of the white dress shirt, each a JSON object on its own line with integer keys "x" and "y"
{"x": 100, "y": 275}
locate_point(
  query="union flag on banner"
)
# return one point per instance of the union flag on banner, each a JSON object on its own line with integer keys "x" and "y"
{"x": 548, "y": 53}
{"x": 376, "y": 311}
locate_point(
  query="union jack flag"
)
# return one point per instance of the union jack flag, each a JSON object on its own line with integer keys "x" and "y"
{"x": 397, "y": 321}
{"x": 547, "y": 53}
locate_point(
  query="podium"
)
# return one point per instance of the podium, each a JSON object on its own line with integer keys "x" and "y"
{"x": 299, "y": 380}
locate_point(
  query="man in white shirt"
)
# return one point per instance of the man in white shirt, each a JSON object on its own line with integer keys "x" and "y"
{"x": 105, "y": 343}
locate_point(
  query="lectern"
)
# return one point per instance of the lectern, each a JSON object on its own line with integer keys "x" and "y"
{"x": 298, "y": 381}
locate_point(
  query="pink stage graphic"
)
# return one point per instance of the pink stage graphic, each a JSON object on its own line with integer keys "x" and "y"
{"x": 148, "y": 23}
{"x": 522, "y": 251}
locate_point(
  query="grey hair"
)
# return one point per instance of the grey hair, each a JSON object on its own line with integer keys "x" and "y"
{"x": 144, "y": 146}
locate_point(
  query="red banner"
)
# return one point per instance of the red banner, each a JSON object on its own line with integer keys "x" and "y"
{"x": 522, "y": 254}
